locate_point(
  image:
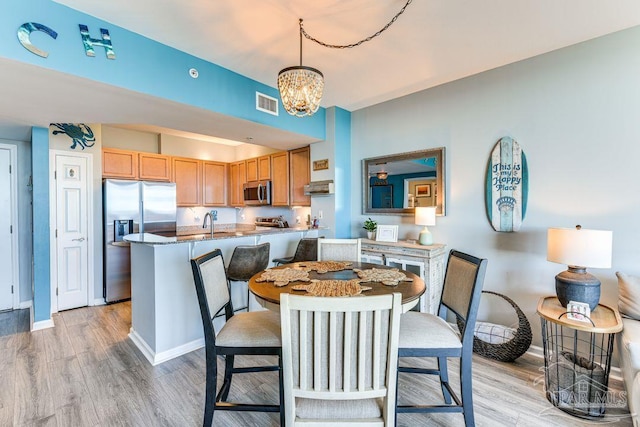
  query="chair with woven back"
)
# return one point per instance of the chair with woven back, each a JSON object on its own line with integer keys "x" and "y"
{"x": 428, "y": 335}
{"x": 339, "y": 357}
{"x": 249, "y": 334}
{"x": 339, "y": 250}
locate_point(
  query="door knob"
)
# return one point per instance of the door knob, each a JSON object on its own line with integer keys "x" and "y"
{"x": 81, "y": 239}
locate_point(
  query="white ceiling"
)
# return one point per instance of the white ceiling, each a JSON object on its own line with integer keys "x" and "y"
{"x": 433, "y": 42}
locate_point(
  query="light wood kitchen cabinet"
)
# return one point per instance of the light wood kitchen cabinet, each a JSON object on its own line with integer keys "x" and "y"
{"x": 214, "y": 183}
{"x": 280, "y": 179}
{"x": 119, "y": 163}
{"x": 237, "y": 177}
{"x": 299, "y": 176}
{"x": 258, "y": 168}
{"x": 187, "y": 174}
{"x": 264, "y": 168}
{"x": 252, "y": 169}
{"x": 154, "y": 167}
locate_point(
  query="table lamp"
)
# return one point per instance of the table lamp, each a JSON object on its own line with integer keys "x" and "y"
{"x": 425, "y": 216}
{"x": 579, "y": 249}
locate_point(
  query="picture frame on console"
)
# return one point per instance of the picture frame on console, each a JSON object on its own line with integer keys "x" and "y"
{"x": 387, "y": 233}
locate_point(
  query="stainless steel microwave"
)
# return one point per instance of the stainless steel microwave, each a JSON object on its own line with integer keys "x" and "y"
{"x": 257, "y": 193}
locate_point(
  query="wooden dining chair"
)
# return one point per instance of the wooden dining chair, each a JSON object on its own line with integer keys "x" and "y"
{"x": 339, "y": 359}
{"x": 307, "y": 250}
{"x": 250, "y": 334}
{"x": 428, "y": 335}
{"x": 339, "y": 250}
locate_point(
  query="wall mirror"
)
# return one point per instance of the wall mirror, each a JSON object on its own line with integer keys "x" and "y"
{"x": 397, "y": 183}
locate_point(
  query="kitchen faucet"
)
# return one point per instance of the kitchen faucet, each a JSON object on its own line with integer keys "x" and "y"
{"x": 213, "y": 216}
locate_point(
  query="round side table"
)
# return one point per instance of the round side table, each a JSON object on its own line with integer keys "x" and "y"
{"x": 577, "y": 357}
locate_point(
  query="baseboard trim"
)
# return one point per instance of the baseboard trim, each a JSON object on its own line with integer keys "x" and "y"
{"x": 25, "y": 304}
{"x": 98, "y": 301}
{"x": 42, "y": 324}
{"x": 158, "y": 358}
{"x": 536, "y": 351}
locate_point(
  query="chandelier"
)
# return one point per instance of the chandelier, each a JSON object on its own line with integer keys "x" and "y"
{"x": 301, "y": 87}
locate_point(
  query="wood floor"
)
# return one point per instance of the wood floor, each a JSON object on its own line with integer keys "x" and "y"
{"x": 86, "y": 372}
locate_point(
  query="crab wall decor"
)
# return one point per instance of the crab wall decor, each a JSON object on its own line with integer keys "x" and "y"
{"x": 80, "y": 134}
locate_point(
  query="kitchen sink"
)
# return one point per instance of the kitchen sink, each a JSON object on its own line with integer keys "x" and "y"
{"x": 205, "y": 236}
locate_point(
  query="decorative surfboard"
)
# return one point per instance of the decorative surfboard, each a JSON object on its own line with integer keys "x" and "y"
{"x": 507, "y": 186}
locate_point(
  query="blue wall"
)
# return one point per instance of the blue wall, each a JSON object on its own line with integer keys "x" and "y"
{"x": 342, "y": 140}
{"x": 141, "y": 65}
{"x": 41, "y": 252}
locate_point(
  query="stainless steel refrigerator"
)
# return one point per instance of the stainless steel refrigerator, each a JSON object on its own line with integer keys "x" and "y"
{"x": 132, "y": 207}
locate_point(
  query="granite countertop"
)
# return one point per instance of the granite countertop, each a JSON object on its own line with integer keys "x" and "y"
{"x": 199, "y": 234}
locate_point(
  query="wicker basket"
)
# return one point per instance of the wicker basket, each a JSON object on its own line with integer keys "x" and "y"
{"x": 510, "y": 350}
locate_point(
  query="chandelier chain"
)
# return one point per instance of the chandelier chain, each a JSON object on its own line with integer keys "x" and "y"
{"x": 346, "y": 46}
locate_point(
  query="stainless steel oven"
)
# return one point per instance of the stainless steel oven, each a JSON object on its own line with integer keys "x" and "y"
{"x": 257, "y": 193}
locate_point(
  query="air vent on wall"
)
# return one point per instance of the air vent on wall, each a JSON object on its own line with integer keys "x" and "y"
{"x": 266, "y": 104}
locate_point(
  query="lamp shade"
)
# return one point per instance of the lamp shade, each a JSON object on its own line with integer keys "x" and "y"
{"x": 425, "y": 215}
{"x": 579, "y": 247}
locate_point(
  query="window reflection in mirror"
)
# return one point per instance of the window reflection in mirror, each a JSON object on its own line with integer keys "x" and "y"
{"x": 396, "y": 184}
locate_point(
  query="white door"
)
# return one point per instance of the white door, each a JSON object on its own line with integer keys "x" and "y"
{"x": 72, "y": 230}
{"x": 6, "y": 239}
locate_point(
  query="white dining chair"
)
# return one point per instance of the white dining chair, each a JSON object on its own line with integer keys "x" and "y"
{"x": 339, "y": 250}
{"x": 339, "y": 359}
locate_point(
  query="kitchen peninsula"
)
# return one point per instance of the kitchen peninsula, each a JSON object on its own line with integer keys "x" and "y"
{"x": 165, "y": 317}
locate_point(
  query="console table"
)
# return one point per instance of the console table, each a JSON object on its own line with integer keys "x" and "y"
{"x": 428, "y": 262}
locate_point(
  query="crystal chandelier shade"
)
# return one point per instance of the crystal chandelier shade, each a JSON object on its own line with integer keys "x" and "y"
{"x": 300, "y": 90}
{"x": 301, "y": 87}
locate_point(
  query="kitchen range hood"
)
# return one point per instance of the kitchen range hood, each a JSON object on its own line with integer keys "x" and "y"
{"x": 319, "y": 188}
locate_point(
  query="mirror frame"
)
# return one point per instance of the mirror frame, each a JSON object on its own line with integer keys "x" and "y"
{"x": 438, "y": 153}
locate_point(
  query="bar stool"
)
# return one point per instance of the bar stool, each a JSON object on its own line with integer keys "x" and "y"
{"x": 245, "y": 262}
{"x": 307, "y": 250}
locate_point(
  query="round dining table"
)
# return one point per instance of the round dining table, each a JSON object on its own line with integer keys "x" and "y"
{"x": 268, "y": 294}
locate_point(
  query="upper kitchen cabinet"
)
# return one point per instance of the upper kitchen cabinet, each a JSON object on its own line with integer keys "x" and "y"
{"x": 259, "y": 168}
{"x": 237, "y": 177}
{"x": 119, "y": 163}
{"x": 280, "y": 179}
{"x": 214, "y": 183}
{"x": 154, "y": 167}
{"x": 299, "y": 176}
{"x": 187, "y": 174}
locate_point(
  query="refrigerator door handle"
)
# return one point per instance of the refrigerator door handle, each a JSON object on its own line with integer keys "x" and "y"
{"x": 141, "y": 226}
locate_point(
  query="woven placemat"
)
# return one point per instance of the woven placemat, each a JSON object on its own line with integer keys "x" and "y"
{"x": 325, "y": 266}
{"x": 389, "y": 277}
{"x": 333, "y": 288}
{"x": 282, "y": 276}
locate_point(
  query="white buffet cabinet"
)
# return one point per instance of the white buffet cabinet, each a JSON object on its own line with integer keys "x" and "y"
{"x": 428, "y": 262}
{"x": 165, "y": 316}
